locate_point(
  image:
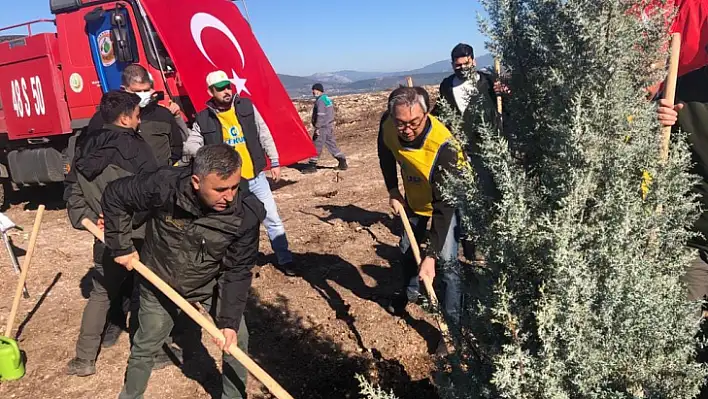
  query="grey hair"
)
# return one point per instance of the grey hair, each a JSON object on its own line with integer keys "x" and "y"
{"x": 221, "y": 159}
{"x": 135, "y": 73}
{"x": 408, "y": 96}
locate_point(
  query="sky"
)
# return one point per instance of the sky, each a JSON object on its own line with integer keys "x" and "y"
{"x": 302, "y": 37}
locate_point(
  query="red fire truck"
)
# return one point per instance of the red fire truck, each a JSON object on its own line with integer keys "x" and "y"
{"x": 51, "y": 83}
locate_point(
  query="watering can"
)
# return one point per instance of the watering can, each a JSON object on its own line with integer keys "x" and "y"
{"x": 12, "y": 366}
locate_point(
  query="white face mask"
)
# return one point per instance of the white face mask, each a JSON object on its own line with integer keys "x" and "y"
{"x": 145, "y": 98}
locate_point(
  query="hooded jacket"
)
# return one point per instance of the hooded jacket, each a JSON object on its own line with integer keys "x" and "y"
{"x": 191, "y": 248}
{"x": 105, "y": 155}
{"x": 158, "y": 127}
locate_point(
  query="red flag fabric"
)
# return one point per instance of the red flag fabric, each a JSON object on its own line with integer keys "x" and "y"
{"x": 691, "y": 21}
{"x": 207, "y": 35}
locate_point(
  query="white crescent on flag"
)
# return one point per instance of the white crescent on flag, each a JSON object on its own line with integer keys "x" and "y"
{"x": 201, "y": 21}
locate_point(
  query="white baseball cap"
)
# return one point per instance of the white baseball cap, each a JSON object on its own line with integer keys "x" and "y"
{"x": 219, "y": 79}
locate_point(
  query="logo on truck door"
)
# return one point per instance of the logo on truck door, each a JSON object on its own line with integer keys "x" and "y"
{"x": 105, "y": 47}
{"x": 20, "y": 98}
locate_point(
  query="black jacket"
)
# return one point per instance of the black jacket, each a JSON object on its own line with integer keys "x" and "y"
{"x": 107, "y": 154}
{"x": 158, "y": 127}
{"x": 189, "y": 247}
{"x": 485, "y": 97}
{"x": 210, "y": 128}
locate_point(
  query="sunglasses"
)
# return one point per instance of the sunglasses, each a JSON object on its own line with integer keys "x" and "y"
{"x": 220, "y": 89}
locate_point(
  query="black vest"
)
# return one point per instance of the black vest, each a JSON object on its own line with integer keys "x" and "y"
{"x": 210, "y": 127}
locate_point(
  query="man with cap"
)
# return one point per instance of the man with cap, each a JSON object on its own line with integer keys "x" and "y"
{"x": 231, "y": 119}
{"x": 323, "y": 122}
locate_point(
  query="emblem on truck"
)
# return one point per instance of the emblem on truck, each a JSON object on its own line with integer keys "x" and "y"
{"x": 105, "y": 47}
{"x": 76, "y": 82}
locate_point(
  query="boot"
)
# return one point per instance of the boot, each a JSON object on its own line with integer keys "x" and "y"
{"x": 81, "y": 367}
{"x": 110, "y": 337}
{"x": 342, "y": 164}
{"x": 310, "y": 168}
{"x": 164, "y": 359}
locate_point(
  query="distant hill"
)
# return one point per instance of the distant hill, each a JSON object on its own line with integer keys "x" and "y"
{"x": 349, "y": 81}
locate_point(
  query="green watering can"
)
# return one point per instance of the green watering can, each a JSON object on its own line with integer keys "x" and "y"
{"x": 12, "y": 366}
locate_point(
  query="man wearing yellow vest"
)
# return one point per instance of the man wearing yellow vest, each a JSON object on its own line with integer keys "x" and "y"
{"x": 234, "y": 120}
{"x": 425, "y": 149}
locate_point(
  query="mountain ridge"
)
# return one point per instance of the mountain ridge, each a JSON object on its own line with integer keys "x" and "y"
{"x": 352, "y": 81}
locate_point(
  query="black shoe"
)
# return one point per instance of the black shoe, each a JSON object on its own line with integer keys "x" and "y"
{"x": 81, "y": 367}
{"x": 397, "y": 304}
{"x": 342, "y": 164}
{"x": 111, "y": 335}
{"x": 441, "y": 349}
{"x": 290, "y": 269}
{"x": 165, "y": 359}
{"x": 310, "y": 168}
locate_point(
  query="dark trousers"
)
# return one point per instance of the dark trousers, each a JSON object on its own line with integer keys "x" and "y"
{"x": 157, "y": 315}
{"x": 447, "y": 265}
{"x": 110, "y": 297}
{"x": 108, "y": 283}
{"x": 696, "y": 277}
{"x": 325, "y": 138}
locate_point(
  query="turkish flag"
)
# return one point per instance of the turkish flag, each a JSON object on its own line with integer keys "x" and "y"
{"x": 208, "y": 35}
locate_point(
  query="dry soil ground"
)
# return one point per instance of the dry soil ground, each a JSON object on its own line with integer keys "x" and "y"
{"x": 312, "y": 333}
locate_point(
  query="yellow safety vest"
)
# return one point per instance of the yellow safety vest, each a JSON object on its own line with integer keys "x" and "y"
{"x": 232, "y": 134}
{"x": 417, "y": 163}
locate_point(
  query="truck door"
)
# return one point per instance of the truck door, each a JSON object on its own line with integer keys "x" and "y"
{"x": 112, "y": 43}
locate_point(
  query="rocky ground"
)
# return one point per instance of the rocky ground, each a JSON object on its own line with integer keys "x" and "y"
{"x": 312, "y": 333}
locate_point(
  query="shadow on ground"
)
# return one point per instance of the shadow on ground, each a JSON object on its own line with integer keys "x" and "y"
{"x": 310, "y": 365}
{"x": 37, "y": 305}
{"x": 355, "y": 214}
{"x": 50, "y": 195}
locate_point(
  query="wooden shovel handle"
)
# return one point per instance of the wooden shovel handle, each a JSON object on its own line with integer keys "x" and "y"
{"x": 25, "y": 268}
{"x": 670, "y": 92}
{"x": 497, "y": 69}
{"x": 193, "y": 313}
{"x": 427, "y": 282}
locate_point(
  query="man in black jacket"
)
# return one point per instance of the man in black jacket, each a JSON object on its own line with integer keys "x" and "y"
{"x": 466, "y": 90}
{"x": 158, "y": 125}
{"x": 471, "y": 94}
{"x": 113, "y": 151}
{"x": 202, "y": 239}
{"x": 159, "y": 128}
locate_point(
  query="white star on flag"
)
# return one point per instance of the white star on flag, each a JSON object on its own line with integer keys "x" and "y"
{"x": 239, "y": 83}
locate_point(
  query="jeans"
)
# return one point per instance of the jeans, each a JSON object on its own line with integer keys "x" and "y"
{"x": 157, "y": 316}
{"x": 447, "y": 265}
{"x": 260, "y": 187}
{"x": 325, "y": 138}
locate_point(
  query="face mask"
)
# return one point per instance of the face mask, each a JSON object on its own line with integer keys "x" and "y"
{"x": 464, "y": 73}
{"x": 145, "y": 98}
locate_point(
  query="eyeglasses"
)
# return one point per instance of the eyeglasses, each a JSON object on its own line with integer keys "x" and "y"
{"x": 413, "y": 125}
